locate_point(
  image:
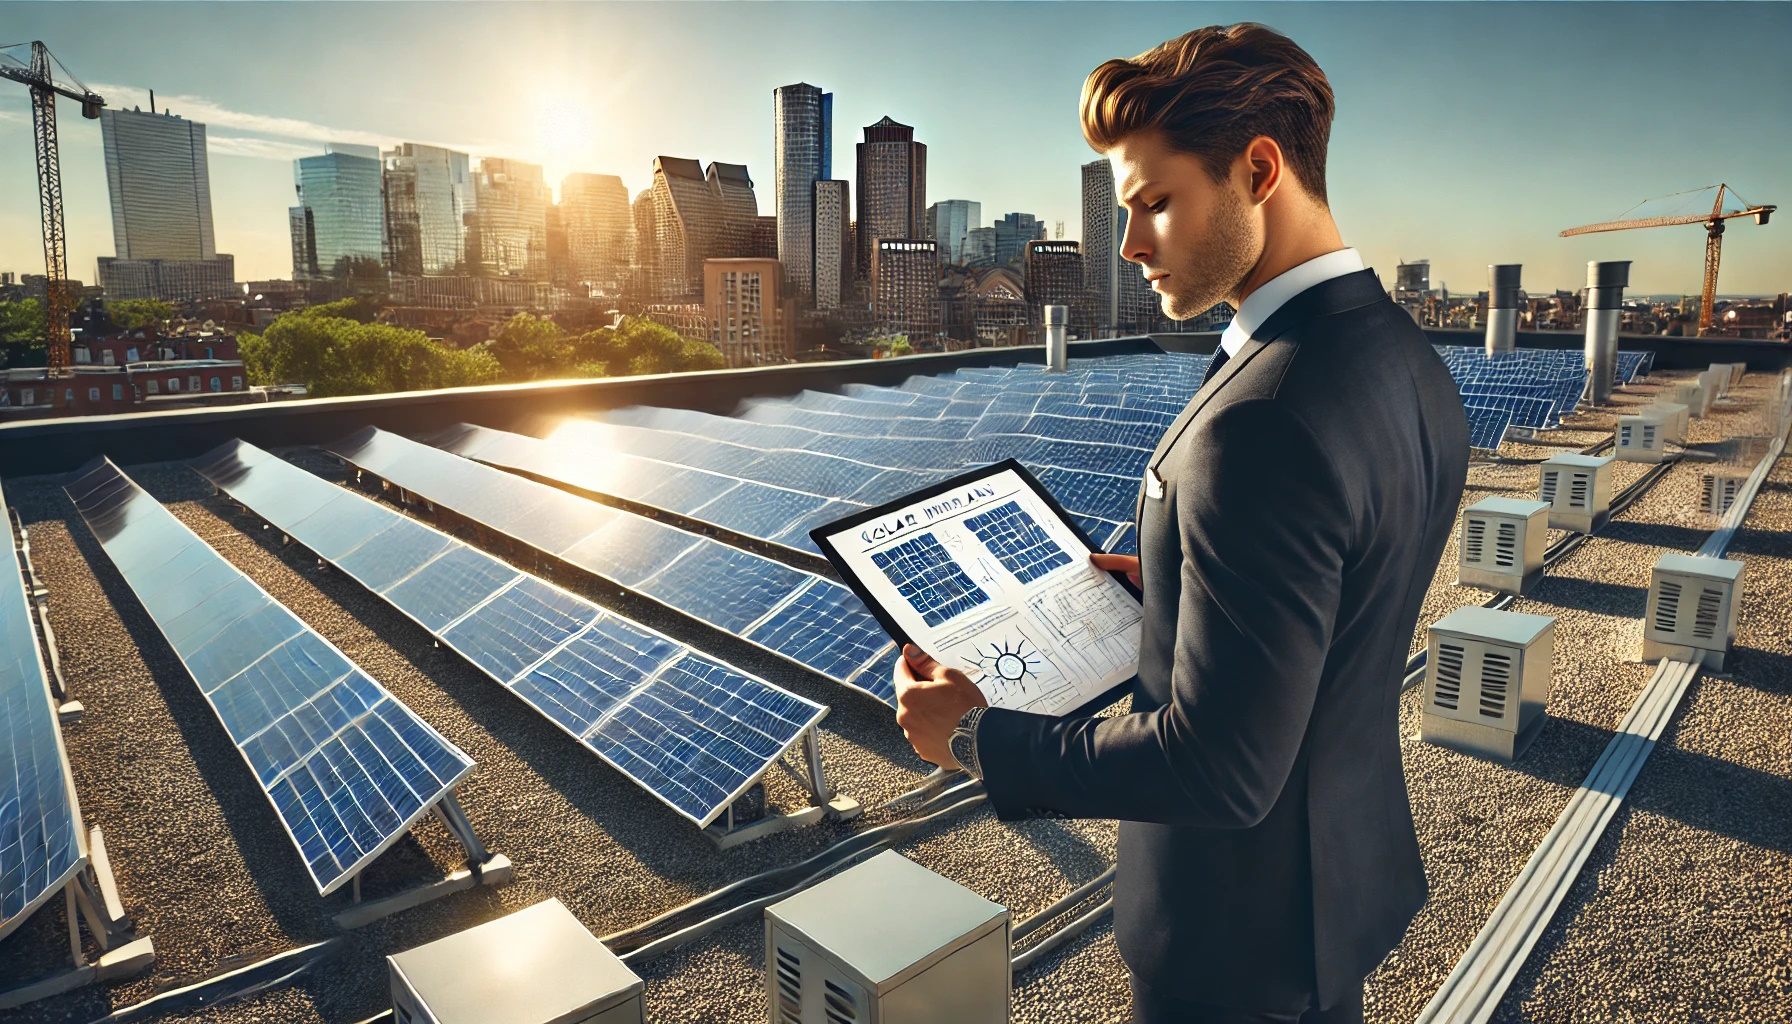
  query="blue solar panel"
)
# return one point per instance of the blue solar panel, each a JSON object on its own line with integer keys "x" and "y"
{"x": 1487, "y": 426}
{"x": 40, "y": 829}
{"x": 813, "y": 621}
{"x": 929, "y": 579}
{"x": 694, "y": 732}
{"x": 347, "y": 767}
{"x": 1018, "y": 542}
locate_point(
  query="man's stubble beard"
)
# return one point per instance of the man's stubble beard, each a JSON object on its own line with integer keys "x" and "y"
{"x": 1208, "y": 276}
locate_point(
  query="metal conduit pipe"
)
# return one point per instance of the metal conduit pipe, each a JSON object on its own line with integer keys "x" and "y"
{"x": 1502, "y": 307}
{"x": 1061, "y": 936}
{"x": 1605, "y": 294}
{"x": 1028, "y": 926}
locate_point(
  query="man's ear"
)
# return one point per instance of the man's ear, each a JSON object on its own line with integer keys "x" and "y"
{"x": 1264, "y": 167}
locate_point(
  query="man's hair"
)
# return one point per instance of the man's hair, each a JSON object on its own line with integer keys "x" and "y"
{"x": 1211, "y": 92}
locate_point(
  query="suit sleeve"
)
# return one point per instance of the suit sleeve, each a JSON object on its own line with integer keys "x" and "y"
{"x": 1265, "y": 528}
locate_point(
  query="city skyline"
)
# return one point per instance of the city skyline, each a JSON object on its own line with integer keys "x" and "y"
{"x": 1545, "y": 120}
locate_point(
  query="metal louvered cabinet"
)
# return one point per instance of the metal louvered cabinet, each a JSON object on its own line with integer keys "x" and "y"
{"x": 1717, "y": 378}
{"x": 1642, "y": 437}
{"x": 1695, "y": 396}
{"x": 1487, "y": 681}
{"x": 1674, "y": 417}
{"x": 887, "y": 942}
{"x": 1693, "y": 604}
{"x": 1718, "y": 490}
{"x": 1578, "y": 489}
{"x": 1500, "y": 544}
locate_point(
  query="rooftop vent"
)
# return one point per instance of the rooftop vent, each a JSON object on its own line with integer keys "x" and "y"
{"x": 1716, "y": 380}
{"x": 536, "y": 966}
{"x": 1642, "y": 437}
{"x": 1674, "y": 415}
{"x": 1695, "y": 396}
{"x": 1487, "y": 681}
{"x": 887, "y": 942}
{"x": 1578, "y": 489}
{"x": 1691, "y": 615}
{"x": 1718, "y": 489}
{"x": 1502, "y": 307}
{"x": 1501, "y": 542}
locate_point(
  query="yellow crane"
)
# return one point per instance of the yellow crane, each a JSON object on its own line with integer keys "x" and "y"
{"x": 1726, "y": 205}
{"x": 38, "y": 73}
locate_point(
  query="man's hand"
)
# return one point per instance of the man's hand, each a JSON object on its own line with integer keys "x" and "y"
{"x": 930, "y": 699}
{"x": 1127, "y": 564}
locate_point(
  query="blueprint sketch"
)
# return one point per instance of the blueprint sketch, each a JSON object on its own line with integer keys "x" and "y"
{"x": 987, "y": 578}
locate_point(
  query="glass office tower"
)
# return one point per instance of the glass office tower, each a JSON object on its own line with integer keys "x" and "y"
{"x": 341, "y": 194}
{"x": 429, "y": 192}
{"x": 803, "y": 125}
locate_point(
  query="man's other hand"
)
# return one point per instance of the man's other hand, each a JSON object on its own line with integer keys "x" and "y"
{"x": 1127, "y": 564}
{"x": 930, "y": 699}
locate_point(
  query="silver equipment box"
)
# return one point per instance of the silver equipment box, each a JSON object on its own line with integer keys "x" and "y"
{"x": 887, "y": 942}
{"x": 536, "y": 966}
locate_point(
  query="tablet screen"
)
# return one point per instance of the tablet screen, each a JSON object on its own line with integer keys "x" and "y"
{"x": 985, "y": 573}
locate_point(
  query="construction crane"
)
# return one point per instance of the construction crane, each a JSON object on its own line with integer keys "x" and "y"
{"x": 1714, "y": 229}
{"x": 39, "y": 74}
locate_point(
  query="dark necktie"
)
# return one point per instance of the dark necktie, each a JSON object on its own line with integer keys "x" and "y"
{"x": 1220, "y": 356}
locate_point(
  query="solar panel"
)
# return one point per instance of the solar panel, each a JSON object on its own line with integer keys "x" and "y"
{"x": 41, "y": 846}
{"x": 691, "y": 730}
{"x": 813, "y": 621}
{"x": 347, "y": 767}
{"x": 1487, "y": 426}
{"x": 1018, "y": 542}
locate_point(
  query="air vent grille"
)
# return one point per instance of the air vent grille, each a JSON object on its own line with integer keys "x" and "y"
{"x": 1667, "y": 606}
{"x": 1447, "y": 687}
{"x": 1547, "y": 488}
{"x": 1648, "y": 435}
{"x": 843, "y": 1007}
{"x": 1580, "y": 490}
{"x": 1505, "y": 550}
{"x": 1624, "y": 440}
{"x": 1704, "y": 620}
{"x": 1496, "y": 680}
{"x": 1474, "y": 540}
{"x": 790, "y": 987}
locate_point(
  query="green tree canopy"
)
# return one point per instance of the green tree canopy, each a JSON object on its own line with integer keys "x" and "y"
{"x": 533, "y": 348}
{"x": 640, "y": 346}
{"x": 22, "y": 323}
{"x": 359, "y": 308}
{"x": 130, "y": 314}
{"x": 338, "y": 356}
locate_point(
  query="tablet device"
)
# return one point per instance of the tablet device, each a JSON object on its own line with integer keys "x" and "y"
{"x": 987, "y": 573}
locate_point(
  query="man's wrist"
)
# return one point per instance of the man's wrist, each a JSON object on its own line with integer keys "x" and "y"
{"x": 963, "y": 743}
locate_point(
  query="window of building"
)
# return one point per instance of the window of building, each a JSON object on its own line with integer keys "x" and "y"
{"x": 217, "y": 385}
{"x": 28, "y": 397}
{"x": 118, "y": 392}
{"x": 152, "y": 386}
{"x": 193, "y": 382}
{"x": 108, "y": 357}
{"x": 173, "y": 384}
{"x": 82, "y": 355}
{"x": 130, "y": 354}
{"x": 93, "y": 394}
{"x": 236, "y": 383}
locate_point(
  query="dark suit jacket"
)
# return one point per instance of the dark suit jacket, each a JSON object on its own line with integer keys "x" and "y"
{"x": 1267, "y": 853}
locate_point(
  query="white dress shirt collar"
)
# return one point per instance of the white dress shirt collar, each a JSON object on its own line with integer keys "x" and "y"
{"x": 1268, "y": 298}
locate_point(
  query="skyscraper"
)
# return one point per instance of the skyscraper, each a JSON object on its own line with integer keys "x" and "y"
{"x": 1101, "y": 240}
{"x": 157, "y": 176}
{"x": 905, "y": 286}
{"x": 803, "y": 132}
{"x": 594, "y": 209}
{"x": 831, "y": 244}
{"x": 737, "y": 209}
{"x": 510, "y": 234}
{"x": 341, "y": 197}
{"x": 892, "y": 187}
{"x": 1013, "y": 232}
{"x": 698, "y": 216}
{"x": 429, "y": 193}
{"x": 160, "y": 186}
{"x": 980, "y": 247}
{"x": 1054, "y": 276}
{"x": 948, "y": 222}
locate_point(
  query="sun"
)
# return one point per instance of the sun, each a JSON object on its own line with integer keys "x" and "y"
{"x": 563, "y": 130}
{"x": 1007, "y": 665}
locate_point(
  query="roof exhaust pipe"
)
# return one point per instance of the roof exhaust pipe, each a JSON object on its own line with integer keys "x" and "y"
{"x": 1502, "y": 307}
{"x": 1057, "y": 339}
{"x": 1605, "y": 294}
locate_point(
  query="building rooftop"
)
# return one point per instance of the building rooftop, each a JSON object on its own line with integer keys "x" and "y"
{"x": 1680, "y": 912}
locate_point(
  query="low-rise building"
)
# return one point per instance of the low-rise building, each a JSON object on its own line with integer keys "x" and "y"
{"x": 98, "y": 390}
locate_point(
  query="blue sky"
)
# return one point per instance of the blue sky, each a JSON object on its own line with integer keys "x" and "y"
{"x": 1469, "y": 133}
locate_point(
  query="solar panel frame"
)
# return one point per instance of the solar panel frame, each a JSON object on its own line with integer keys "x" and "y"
{"x": 28, "y": 705}
{"x": 227, "y": 464}
{"x": 115, "y": 493}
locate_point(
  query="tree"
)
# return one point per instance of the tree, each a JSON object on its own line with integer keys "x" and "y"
{"x": 338, "y": 356}
{"x": 532, "y": 348}
{"x": 130, "y": 314}
{"x": 640, "y": 346}
{"x": 359, "y": 308}
{"x": 22, "y": 323}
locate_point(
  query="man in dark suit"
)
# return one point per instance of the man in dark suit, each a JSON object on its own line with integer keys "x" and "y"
{"x": 1289, "y": 524}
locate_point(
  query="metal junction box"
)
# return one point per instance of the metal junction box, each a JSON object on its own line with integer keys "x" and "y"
{"x": 1578, "y": 489}
{"x": 1642, "y": 437}
{"x": 1718, "y": 489}
{"x": 1487, "y": 681}
{"x": 1693, "y": 603}
{"x": 1717, "y": 381}
{"x": 1674, "y": 415}
{"x": 887, "y": 942}
{"x": 1501, "y": 544}
{"x": 536, "y": 966}
{"x": 1695, "y": 396}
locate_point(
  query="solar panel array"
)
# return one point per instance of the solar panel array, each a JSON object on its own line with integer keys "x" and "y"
{"x": 929, "y": 579}
{"x": 691, "y": 730}
{"x": 40, "y": 823}
{"x": 784, "y": 466}
{"x": 347, "y": 767}
{"x": 813, "y": 621}
{"x": 1021, "y": 544}
{"x": 1533, "y": 388}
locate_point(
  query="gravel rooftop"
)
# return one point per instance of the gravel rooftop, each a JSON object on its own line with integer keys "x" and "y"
{"x": 1683, "y": 913}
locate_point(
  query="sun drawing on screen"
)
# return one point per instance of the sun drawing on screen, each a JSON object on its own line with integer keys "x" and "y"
{"x": 1007, "y": 665}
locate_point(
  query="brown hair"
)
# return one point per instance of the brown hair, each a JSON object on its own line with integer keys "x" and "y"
{"x": 1211, "y": 92}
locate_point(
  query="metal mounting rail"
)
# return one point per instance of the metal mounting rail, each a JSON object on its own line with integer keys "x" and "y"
{"x": 1478, "y": 983}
